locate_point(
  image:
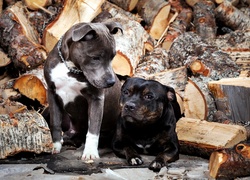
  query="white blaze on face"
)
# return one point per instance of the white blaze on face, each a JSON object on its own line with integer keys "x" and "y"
{"x": 66, "y": 87}
{"x": 91, "y": 147}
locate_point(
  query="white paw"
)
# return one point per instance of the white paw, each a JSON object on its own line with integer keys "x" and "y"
{"x": 136, "y": 161}
{"x": 91, "y": 145}
{"x": 57, "y": 146}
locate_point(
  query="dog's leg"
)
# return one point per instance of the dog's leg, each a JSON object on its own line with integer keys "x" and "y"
{"x": 55, "y": 123}
{"x": 95, "y": 113}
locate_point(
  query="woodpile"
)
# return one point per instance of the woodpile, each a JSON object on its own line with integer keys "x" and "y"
{"x": 199, "y": 47}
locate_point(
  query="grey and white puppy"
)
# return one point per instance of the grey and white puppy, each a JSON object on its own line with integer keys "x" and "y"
{"x": 83, "y": 90}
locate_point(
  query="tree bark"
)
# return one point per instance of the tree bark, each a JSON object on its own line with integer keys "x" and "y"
{"x": 232, "y": 17}
{"x": 24, "y": 132}
{"x": 204, "y": 20}
{"x": 20, "y": 39}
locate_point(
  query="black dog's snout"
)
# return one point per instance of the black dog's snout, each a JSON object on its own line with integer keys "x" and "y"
{"x": 110, "y": 82}
{"x": 130, "y": 106}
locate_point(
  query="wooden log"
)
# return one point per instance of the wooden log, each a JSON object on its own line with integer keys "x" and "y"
{"x": 189, "y": 46}
{"x": 232, "y": 17}
{"x": 32, "y": 84}
{"x": 152, "y": 62}
{"x": 178, "y": 26}
{"x": 204, "y": 20}
{"x": 201, "y": 138}
{"x": 232, "y": 97}
{"x": 236, "y": 44}
{"x": 24, "y": 132}
{"x": 155, "y": 14}
{"x": 176, "y": 78}
{"x": 127, "y": 5}
{"x": 230, "y": 163}
{"x": 20, "y": 39}
{"x": 73, "y": 12}
{"x": 195, "y": 105}
{"x": 37, "y": 4}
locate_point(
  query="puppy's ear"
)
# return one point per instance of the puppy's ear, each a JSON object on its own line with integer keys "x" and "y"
{"x": 170, "y": 93}
{"x": 114, "y": 27}
{"x": 84, "y": 31}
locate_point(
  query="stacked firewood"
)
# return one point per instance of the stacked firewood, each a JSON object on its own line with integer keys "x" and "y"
{"x": 199, "y": 47}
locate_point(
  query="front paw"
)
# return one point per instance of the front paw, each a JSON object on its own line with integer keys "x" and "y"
{"x": 90, "y": 154}
{"x": 57, "y": 146}
{"x": 156, "y": 165}
{"x": 135, "y": 161}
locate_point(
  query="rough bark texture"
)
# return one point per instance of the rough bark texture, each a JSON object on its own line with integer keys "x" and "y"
{"x": 201, "y": 138}
{"x": 232, "y": 17}
{"x": 190, "y": 46}
{"x": 204, "y": 20}
{"x": 230, "y": 163}
{"x": 20, "y": 40}
{"x": 232, "y": 97}
{"x": 24, "y": 132}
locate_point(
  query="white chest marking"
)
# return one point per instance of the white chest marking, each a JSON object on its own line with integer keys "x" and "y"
{"x": 66, "y": 87}
{"x": 144, "y": 147}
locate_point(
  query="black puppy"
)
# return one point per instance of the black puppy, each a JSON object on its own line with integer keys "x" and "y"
{"x": 149, "y": 111}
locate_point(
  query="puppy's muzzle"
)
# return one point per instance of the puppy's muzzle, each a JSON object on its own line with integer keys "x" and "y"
{"x": 129, "y": 106}
{"x": 110, "y": 82}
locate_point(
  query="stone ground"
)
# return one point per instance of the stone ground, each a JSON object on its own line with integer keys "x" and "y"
{"x": 67, "y": 165}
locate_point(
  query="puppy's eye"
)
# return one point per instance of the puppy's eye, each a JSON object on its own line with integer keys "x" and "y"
{"x": 126, "y": 92}
{"x": 148, "y": 96}
{"x": 96, "y": 58}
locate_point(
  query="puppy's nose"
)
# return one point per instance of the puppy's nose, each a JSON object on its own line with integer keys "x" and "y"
{"x": 130, "y": 106}
{"x": 110, "y": 82}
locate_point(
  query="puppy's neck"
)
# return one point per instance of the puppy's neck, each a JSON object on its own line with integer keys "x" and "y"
{"x": 74, "y": 70}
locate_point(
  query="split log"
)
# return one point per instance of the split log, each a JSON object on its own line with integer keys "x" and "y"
{"x": 231, "y": 162}
{"x": 176, "y": 78}
{"x": 232, "y": 17}
{"x": 232, "y": 97}
{"x": 201, "y": 82}
{"x": 152, "y": 62}
{"x": 127, "y": 5}
{"x": 189, "y": 46}
{"x": 24, "y": 132}
{"x": 73, "y": 12}
{"x": 201, "y": 138}
{"x": 155, "y": 14}
{"x": 20, "y": 39}
{"x": 32, "y": 85}
{"x": 195, "y": 105}
{"x": 204, "y": 20}
{"x": 130, "y": 46}
{"x": 179, "y": 26}
{"x": 37, "y": 4}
